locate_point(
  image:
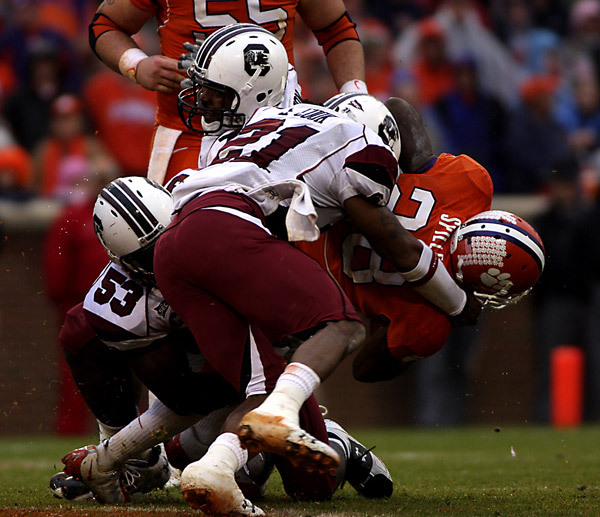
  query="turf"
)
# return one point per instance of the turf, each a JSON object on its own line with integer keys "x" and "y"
{"x": 525, "y": 471}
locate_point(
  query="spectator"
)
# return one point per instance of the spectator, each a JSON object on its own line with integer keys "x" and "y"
{"x": 581, "y": 52}
{"x": 465, "y": 33}
{"x": 473, "y": 122}
{"x": 68, "y": 138}
{"x": 432, "y": 68}
{"x": 562, "y": 295}
{"x": 535, "y": 138}
{"x": 15, "y": 172}
{"x": 27, "y": 110}
{"x": 532, "y": 47}
{"x": 122, "y": 116}
{"x": 73, "y": 259}
{"x": 581, "y": 119}
{"x": 376, "y": 40}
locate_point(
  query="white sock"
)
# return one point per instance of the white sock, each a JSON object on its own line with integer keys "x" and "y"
{"x": 152, "y": 427}
{"x": 226, "y": 449}
{"x": 294, "y": 386}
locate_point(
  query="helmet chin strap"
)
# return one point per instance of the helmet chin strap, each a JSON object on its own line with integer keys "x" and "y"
{"x": 247, "y": 88}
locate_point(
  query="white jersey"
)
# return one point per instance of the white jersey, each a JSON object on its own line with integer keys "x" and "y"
{"x": 140, "y": 314}
{"x": 306, "y": 154}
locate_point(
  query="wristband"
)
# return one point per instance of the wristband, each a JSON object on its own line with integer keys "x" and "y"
{"x": 432, "y": 281}
{"x": 354, "y": 85}
{"x": 129, "y": 61}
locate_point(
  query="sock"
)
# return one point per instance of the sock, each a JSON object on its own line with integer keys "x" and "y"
{"x": 294, "y": 386}
{"x": 152, "y": 427}
{"x": 226, "y": 449}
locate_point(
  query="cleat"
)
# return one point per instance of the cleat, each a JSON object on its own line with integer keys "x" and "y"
{"x": 262, "y": 431}
{"x": 209, "y": 486}
{"x": 253, "y": 477}
{"x": 143, "y": 476}
{"x": 107, "y": 487}
{"x": 364, "y": 471}
{"x": 174, "y": 478}
{"x": 69, "y": 488}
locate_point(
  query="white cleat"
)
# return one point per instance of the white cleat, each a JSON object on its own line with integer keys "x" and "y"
{"x": 209, "y": 485}
{"x": 107, "y": 487}
{"x": 262, "y": 431}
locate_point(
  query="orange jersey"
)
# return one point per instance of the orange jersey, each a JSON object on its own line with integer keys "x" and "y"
{"x": 192, "y": 20}
{"x": 431, "y": 205}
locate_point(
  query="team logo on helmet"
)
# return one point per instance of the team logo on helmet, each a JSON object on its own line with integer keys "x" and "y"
{"x": 256, "y": 56}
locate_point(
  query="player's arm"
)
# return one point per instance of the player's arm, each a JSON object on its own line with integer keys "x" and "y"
{"x": 374, "y": 362}
{"x": 336, "y": 33}
{"x": 416, "y": 262}
{"x": 110, "y": 38}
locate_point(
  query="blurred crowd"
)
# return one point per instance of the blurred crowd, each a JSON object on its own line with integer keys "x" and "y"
{"x": 515, "y": 84}
{"x": 512, "y": 83}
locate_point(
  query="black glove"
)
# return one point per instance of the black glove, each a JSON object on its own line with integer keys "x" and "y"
{"x": 187, "y": 60}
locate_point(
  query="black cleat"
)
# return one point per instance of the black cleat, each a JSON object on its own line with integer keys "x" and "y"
{"x": 67, "y": 487}
{"x": 367, "y": 474}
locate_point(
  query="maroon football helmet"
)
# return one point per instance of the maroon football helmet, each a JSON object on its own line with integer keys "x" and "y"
{"x": 498, "y": 256}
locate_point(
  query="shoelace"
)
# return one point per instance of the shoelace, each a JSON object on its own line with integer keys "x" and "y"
{"x": 130, "y": 475}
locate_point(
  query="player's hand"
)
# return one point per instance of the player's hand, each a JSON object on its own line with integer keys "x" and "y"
{"x": 187, "y": 60}
{"x": 159, "y": 73}
{"x": 470, "y": 313}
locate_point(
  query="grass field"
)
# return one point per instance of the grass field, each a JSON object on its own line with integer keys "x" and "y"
{"x": 525, "y": 471}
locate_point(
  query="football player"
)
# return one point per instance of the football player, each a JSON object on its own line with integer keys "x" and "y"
{"x": 175, "y": 147}
{"x": 349, "y": 171}
{"x": 315, "y": 161}
{"x": 433, "y": 197}
{"x": 125, "y": 309}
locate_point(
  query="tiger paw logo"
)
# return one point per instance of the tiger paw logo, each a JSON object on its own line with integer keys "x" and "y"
{"x": 496, "y": 280}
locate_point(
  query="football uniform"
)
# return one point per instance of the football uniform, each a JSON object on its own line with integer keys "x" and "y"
{"x": 180, "y": 22}
{"x": 305, "y": 154}
{"x": 128, "y": 315}
{"x": 220, "y": 267}
{"x": 432, "y": 205}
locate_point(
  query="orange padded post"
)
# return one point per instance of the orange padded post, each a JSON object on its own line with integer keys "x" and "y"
{"x": 566, "y": 386}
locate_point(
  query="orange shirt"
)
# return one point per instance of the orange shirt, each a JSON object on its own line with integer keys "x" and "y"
{"x": 123, "y": 115}
{"x": 182, "y": 21}
{"x": 431, "y": 205}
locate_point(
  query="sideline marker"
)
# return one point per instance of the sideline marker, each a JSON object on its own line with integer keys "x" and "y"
{"x": 566, "y": 386}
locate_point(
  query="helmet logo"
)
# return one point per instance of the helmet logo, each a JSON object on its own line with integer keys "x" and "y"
{"x": 496, "y": 280}
{"x": 356, "y": 104}
{"x": 256, "y": 56}
{"x": 98, "y": 228}
{"x": 388, "y": 131}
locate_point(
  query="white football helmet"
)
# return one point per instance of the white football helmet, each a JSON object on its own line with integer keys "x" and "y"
{"x": 129, "y": 215}
{"x": 371, "y": 112}
{"x": 244, "y": 64}
{"x": 498, "y": 255}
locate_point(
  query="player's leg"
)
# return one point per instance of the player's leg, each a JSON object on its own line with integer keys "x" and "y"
{"x": 105, "y": 382}
{"x": 257, "y": 275}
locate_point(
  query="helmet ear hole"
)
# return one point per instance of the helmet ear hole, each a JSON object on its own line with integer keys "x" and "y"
{"x": 371, "y": 112}
{"x": 261, "y": 97}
